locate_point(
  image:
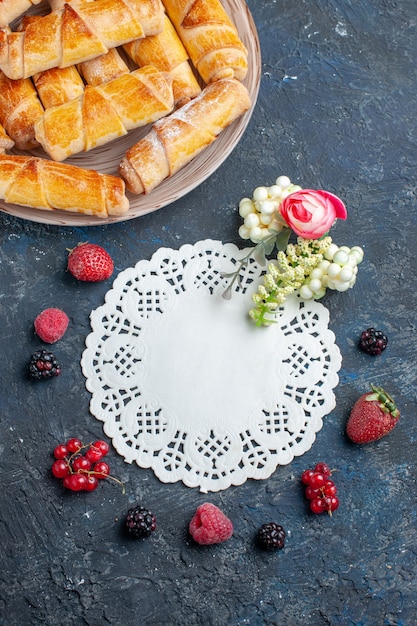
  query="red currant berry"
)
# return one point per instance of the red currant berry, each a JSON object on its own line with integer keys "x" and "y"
{"x": 61, "y": 451}
{"x": 94, "y": 455}
{"x": 306, "y": 476}
{"x": 77, "y": 482}
{"x": 60, "y": 468}
{"x": 101, "y": 469}
{"x": 92, "y": 483}
{"x": 317, "y": 480}
{"x": 81, "y": 463}
{"x": 317, "y": 505}
{"x": 67, "y": 482}
{"x": 329, "y": 488}
{"x": 101, "y": 445}
{"x": 332, "y": 503}
{"x": 323, "y": 468}
{"x": 312, "y": 493}
{"x": 74, "y": 445}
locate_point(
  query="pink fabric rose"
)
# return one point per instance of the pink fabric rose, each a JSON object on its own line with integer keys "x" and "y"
{"x": 310, "y": 213}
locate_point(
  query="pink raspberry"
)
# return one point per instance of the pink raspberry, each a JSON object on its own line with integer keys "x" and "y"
{"x": 210, "y": 525}
{"x": 51, "y": 324}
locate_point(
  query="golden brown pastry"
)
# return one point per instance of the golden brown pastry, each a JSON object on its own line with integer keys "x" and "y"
{"x": 103, "y": 68}
{"x": 42, "y": 184}
{"x": 20, "y": 107}
{"x": 210, "y": 38}
{"x": 11, "y": 9}
{"x": 105, "y": 112}
{"x": 166, "y": 52}
{"x": 77, "y": 33}
{"x": 6, "y": 143}
{"x": 175, "y": 140}
{"x": 58, "y": 85}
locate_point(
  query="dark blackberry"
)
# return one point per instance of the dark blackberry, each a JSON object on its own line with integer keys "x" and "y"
{"x": 140, "y": 522}
{"x": 373, "y": 341}
{"x": 43, "y": 364}
{"x": 271, "y": 536}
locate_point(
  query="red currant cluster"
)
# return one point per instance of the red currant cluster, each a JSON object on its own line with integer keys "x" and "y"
{"x": 80, "y": 466}
{"x": 320, "y": 489}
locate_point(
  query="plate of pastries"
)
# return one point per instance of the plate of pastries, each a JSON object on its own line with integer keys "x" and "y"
{"x": 111, "y": 109}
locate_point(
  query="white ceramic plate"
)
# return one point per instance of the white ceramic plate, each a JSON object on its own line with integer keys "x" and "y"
{"x": 106, "y": 158}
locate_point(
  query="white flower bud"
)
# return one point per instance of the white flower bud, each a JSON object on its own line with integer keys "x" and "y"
{"x": 251, "y": 220}
{"x": 341, "y": 257}
{"x": 244, "y": 232}
{"x": 260, "y": 194}
{"x": 245, "y": 207}
{"x": 331, "y": 251}
{"x": 305, "y": 292}
{"x": 283, "y": 182}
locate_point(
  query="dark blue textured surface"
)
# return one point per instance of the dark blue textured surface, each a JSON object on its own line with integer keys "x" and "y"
{"x": 336, "y": 110}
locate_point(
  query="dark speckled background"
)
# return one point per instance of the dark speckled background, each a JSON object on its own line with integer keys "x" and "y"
{"x": 336, "y": 110}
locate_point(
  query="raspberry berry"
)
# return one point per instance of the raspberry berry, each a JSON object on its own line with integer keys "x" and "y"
{"x": 51, "y": 325}
{"x": 140, "y": 522}
{"x": 210, "y": 525}
{"x": 43, "y": 365}
{"x": 373, "y": 341}
{"x": 271, "y": 536}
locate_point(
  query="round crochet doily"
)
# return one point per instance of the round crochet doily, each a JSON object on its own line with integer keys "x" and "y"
{"x": 187, "y": 385}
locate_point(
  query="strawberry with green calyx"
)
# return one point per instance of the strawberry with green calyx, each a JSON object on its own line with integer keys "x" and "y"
{"x": 373, "y": 416}
{"x": 90, "y": 262}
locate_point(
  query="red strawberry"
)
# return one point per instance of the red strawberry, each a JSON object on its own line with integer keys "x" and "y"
{"x": 210, "y": 525}
{"x": 373, "y": 416}
{"x": 90, "y": 262}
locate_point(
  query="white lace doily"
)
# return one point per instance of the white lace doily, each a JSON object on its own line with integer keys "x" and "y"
{"x": 187, "y": 385}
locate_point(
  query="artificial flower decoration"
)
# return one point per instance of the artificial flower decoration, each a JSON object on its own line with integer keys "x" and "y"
{"x": 311, "y": 214}
{"x": 311, "y": 265}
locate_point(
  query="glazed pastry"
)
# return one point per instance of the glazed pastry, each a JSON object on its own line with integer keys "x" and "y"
{"x": 103, "y": 68}
{"x": 20, "y": 107}
{"x": 6, "y": 143}
{"x": 58, "y": 85}
{"x": 42, "y": 184}
{"x": 77, "y": 33}
{"x": 105, "y": 112}
{"x": 11, "y": 9}
{"x": 175, "y": 140}
{"x": 166, "y": 52}
{"x": 210, "y": 38}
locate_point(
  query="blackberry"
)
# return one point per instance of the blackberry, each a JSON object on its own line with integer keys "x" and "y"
{"x": 373, "y": 341}
{"x": 140, "y": 522}
{"x": 43, "y": 364}
{"x": 271, "y": 536}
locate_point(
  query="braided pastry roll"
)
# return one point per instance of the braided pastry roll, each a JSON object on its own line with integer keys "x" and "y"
{"x": 20, "y": 107}
{"x": 77, "y": 33}
{"x": 166, "y": 52}
{"x": 210, "y": 38}
{"x": 41, "y": 184}
{"x": 103, "y": 68}
{"x": 58, "y": 84}
{"x": 104, "y": 113}
{"x": 11, "y": 9}
{"x": 175, "y": 140}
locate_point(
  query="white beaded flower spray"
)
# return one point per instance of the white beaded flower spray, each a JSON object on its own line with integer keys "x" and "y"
{"x": 311, "y": 265}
